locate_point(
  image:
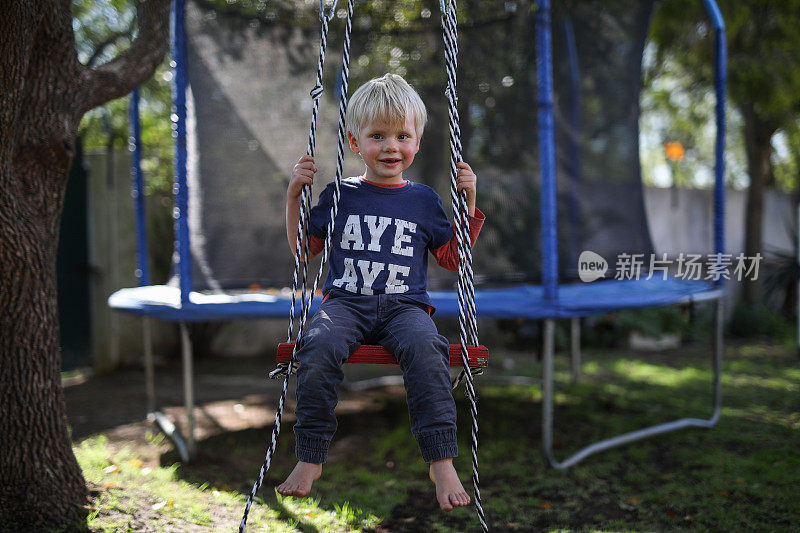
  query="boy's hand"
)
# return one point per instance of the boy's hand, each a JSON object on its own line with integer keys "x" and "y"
{"x": 302, "y": 174}
{"x": 467, "y": 181}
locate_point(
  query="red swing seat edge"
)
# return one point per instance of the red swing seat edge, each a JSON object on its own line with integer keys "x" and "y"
{"x": 378, "y": 355}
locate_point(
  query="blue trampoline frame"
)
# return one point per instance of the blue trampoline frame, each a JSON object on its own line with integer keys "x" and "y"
{"x": 549, "y": 301}
{"x": 550, "y": 240}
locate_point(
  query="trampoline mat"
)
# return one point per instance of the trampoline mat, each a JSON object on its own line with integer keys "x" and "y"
{"x": 521, "y": 301}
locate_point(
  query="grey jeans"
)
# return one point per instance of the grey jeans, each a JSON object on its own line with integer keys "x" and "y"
{"x": 400, "y": 325}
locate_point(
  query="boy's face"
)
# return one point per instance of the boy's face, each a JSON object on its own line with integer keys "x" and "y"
{"x": 386, "y": 150}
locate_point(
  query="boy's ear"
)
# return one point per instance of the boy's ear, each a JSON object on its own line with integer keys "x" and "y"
{"x": 353, "y": 142}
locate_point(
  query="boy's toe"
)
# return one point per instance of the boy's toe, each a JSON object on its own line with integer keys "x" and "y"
{"x": 455, "y": 500}
{"x": 446, "y": 503}
{"x": 288, "y": 489}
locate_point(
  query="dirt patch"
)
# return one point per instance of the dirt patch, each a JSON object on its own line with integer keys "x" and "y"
{"x": 230, "y": 395}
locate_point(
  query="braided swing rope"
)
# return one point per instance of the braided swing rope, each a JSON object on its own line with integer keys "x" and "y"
{"x": 302, "y": 231}
{"x": 466, "y": 291}
{"x": 301, "y": 239}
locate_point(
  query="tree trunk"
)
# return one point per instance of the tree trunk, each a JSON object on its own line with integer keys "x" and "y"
{"x": 44, "y": 91}
{"x": 40, "y": 475}
{"x": 758, "y": 135}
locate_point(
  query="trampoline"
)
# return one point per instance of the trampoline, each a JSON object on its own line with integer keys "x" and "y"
{"x": 163, "y": 302}
{"x": 227, "y": 187}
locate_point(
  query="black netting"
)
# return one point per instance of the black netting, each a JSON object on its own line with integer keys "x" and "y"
{"x": 601, "y": 195}
{"x": 250, "y": 80}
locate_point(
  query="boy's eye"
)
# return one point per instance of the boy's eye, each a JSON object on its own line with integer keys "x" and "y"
{"x": 376, "y": 136}
{"x": 403, "y": 136}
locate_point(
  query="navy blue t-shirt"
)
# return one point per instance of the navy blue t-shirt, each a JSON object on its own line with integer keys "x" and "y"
{"x": 381, "y": 237}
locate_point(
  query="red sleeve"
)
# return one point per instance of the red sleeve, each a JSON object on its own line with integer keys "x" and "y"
{"x": 315, "y": 245}
{"x": 447, "y": 254}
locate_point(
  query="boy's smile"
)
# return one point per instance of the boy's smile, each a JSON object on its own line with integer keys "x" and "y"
{"x": 387, "y": 150}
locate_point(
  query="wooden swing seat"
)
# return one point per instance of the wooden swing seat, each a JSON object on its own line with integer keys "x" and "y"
{"x": 378, "y": 355}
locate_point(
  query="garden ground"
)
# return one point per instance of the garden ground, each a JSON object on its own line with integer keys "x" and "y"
{"x": 742, "y": 475}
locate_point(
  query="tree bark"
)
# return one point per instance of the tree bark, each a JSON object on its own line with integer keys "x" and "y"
{"x": 44, "y": 92}
{"x": 758, "y": 135}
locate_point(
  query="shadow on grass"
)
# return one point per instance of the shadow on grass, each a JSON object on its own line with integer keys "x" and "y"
{"x": 739, "y": 476}
{"x": 284, "y": 513}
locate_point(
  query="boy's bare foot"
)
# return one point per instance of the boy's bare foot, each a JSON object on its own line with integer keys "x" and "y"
{"x": 300, "y": 480}
{"x": 449, "y": 490}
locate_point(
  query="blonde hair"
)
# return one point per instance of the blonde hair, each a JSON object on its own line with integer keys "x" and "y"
{"x": 388, "y": 99}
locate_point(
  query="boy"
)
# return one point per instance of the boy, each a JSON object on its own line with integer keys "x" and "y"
{"x": 375, "y": 292}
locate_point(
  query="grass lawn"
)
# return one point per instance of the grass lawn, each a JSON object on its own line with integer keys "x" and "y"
{"x": 742, "y": 475}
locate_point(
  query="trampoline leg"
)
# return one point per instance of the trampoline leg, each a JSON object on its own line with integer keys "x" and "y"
{"x": 149, "y": 373}
{"x": 575, "y": 347}
{"x": 188, "y": 390}
{"x": 547, "y": 389}
{"x": 580, "y": 455}
{"x": 158, "y": 418}
{"x": 540, "y": 336}
{"x": 719, "y": 349}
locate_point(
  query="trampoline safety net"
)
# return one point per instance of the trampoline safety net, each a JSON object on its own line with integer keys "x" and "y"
{"x": 249, "y": 111}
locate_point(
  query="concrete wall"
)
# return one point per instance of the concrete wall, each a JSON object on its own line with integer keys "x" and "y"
{"x": 681, "y": 220}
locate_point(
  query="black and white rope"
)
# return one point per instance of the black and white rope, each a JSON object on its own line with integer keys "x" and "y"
{"x": 338, "y": 178}
{"x": 466, "y": 277}
{"x": 466, "y": 292}
{"x": 339, "y": 171}
{"x": 302, "y": 236}
{"x": 460, "y": 200}
{"x": 301, "y": 240}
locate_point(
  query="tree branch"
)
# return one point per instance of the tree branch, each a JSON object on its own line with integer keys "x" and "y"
{"x": 100, "y": 49}
{"x": 125, "y": 72}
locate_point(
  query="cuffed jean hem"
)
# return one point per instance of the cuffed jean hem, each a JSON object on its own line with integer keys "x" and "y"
{"x": 311, "y": 450}
{"x": 439, "y": 445}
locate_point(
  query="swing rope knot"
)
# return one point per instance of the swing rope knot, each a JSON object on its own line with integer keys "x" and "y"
{"x": 282, "y": 369}
{"x": 316, "y": 92}
{"x": 462, "y": 375}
